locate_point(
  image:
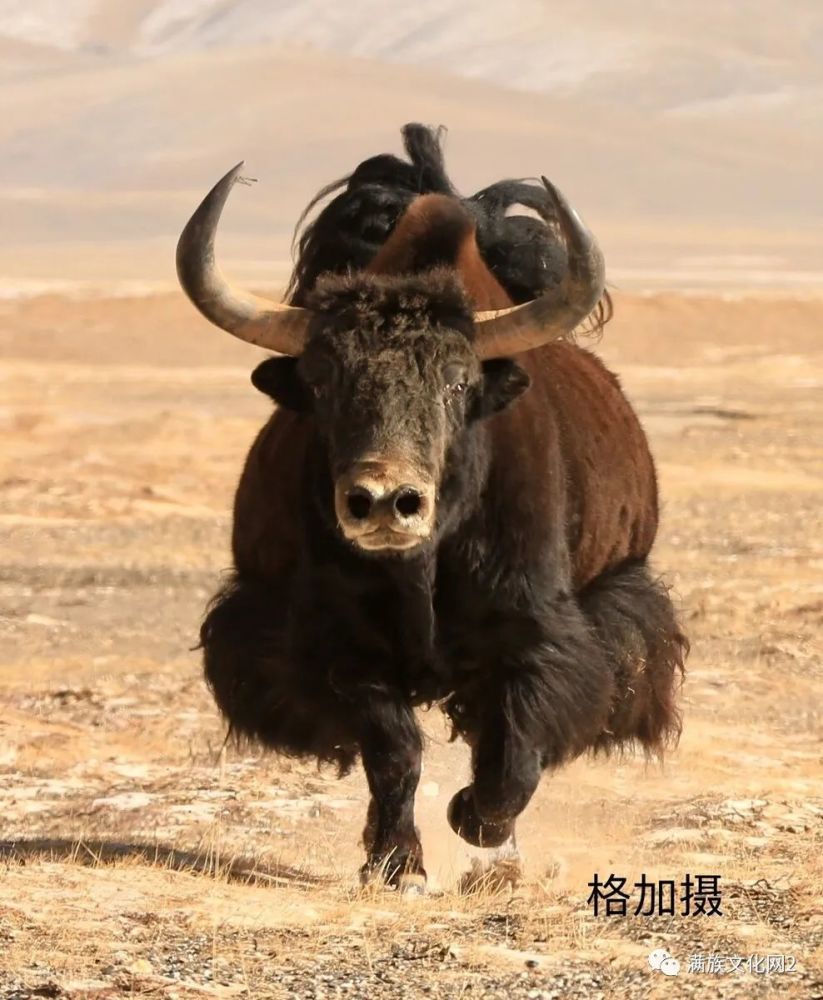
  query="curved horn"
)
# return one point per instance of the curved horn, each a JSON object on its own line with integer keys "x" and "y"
{"x": 268, "y": 324}
{"x": 553, "y": 315}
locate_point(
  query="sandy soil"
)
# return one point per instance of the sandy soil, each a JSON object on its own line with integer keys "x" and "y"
{"x": 140, "y": 857}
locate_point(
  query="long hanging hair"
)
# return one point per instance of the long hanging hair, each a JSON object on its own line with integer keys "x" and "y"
{"x": 516, "y": 228}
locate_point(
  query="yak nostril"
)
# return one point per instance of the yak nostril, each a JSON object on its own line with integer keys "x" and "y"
{"x": 408, "y": 501}
{"x": 360, "y": 502}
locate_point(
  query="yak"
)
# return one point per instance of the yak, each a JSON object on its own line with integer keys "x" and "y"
{"x": 452, "y": 503}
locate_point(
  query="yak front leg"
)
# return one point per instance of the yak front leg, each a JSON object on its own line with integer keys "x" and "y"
{"x": 391, "y": 750}
{"x": 506, "y": 772}
{"x": 545, "y": 706}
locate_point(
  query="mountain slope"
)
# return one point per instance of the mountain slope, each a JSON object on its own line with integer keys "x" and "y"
{"x": 696, "y": 128}
{"x": 662, "y": 54}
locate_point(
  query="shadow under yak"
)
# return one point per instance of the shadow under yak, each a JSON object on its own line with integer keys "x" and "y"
{"x": 110, "y": 852}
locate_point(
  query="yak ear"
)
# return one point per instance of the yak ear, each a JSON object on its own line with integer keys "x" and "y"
{"x": 503, "y": 381}
{"x": 279, "y": 378}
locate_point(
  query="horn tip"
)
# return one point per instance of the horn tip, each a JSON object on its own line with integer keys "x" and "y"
{"x": 555, "y": 196}
{"x": 234, "y": 173}
{"x": 561, "y": 204}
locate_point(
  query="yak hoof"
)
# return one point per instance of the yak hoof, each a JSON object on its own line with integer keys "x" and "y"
{"x": 463, "y": 819}
{"x": 388, "y": 875}
{"x": 411, "y": 884}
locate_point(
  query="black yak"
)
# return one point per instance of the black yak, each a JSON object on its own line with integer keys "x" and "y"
{"x": 452, "y": 502}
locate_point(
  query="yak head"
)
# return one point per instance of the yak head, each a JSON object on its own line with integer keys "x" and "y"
{"x": 392, "y": 362}
{"x": 393, "y": 381}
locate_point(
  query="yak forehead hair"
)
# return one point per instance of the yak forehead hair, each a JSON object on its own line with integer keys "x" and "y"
{"x": 435, "y": 298}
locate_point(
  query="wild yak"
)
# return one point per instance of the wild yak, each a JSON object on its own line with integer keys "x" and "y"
{"x": 452, "y": 503}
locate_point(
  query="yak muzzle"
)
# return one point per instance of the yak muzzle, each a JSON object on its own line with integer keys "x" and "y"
{"x": 384, "y": 506}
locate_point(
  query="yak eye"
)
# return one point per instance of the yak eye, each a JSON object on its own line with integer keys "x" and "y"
{"x": 455, "y": 378}
{"x": 316, "y": 373}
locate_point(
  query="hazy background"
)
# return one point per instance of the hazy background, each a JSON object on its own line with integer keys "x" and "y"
{"x": 690, "y": 135}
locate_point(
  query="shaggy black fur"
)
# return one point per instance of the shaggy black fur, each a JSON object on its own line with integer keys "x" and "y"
{"x": 350, "y": 230}
{"x": 529, "y": 614}
{"x": 522, "y": 249}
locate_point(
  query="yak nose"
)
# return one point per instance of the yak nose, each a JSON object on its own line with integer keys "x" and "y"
{"x": 404, "y": 502}
{"x": 384, "y": 505}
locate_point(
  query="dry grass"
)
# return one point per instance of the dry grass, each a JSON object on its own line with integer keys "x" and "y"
{"x": 140, "y": 857}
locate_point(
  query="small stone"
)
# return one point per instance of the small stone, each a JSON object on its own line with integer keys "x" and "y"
{"x": 141, "y": 968}
{"x": 793, "y": 823}
{"x": 744, "y": 805}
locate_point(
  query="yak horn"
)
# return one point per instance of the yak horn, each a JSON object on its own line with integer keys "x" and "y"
{"x": 522, "y": 328}
{"x": 272, "y": 325}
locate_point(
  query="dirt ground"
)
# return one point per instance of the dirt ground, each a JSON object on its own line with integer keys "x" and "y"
{"x": 141, "y": 858}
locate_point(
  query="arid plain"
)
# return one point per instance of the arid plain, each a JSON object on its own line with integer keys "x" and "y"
{"x": 139, "y": 856}
{"x": 148, "y": 860}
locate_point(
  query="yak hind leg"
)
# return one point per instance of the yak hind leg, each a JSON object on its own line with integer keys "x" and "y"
{"x": 636, "y": 624}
